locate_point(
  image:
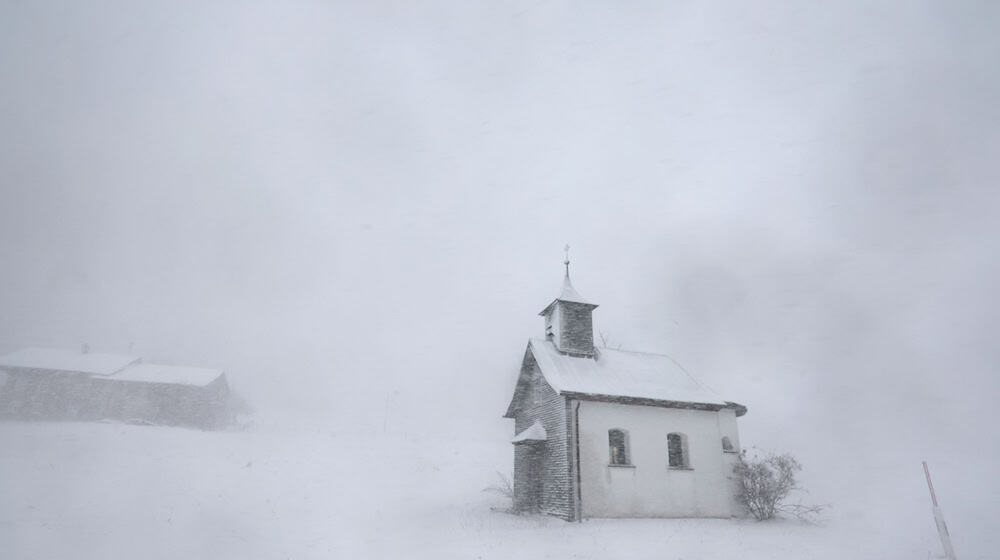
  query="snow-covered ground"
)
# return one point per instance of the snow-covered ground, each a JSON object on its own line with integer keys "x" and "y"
{"x": 115, "y": 491}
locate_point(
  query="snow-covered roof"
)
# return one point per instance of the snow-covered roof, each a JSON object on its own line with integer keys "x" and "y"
{"x": 108, "y": 366}
{"x": 568, "y": 293}
{"x": 535, "y": 432}
{"x": 618, "y": 373}
{"x": 66, "y": 360}
{"x": 174, "y": 375}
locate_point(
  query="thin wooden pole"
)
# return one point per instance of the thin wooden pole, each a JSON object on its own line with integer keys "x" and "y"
{"x": 942, "y": 528}
{"x": 930, "y": 485}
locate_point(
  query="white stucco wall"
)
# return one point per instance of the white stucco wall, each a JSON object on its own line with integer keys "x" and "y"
{"x": 649, "y": 488}
{"x": 727, "y": 427}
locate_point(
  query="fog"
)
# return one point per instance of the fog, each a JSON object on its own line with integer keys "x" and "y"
{"x": 357, "y": 210}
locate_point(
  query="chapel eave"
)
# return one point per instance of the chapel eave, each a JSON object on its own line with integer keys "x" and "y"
{"x": 548, "y": 307}
{"x": 640, "y": 401}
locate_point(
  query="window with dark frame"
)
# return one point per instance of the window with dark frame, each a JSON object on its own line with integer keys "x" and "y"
{"x": 617, "y": 447}
{"x": 676, "y": 451}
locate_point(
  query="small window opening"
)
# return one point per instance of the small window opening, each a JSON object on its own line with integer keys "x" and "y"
{"x": 617, "y": 447}
{"x": 727, "y": 445}
{"x": 677, "y": 454}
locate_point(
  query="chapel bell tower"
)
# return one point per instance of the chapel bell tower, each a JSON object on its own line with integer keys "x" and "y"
{"x": 569, "y": 322}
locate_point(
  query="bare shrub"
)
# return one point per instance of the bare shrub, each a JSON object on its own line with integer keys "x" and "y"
{"x": 767, "y": 480}
{"x": 504, "y": 487}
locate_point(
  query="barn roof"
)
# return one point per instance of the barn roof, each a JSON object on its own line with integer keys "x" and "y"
{"x": 65, "y": 360}
{"x": 107, "y": 366}
{"x": 174, "y": 375}
{"x": 618, "y": 373}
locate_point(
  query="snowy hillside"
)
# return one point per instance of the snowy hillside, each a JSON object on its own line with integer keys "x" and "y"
{"x": 114, "y": 491}
{"x": 356, "y": 211}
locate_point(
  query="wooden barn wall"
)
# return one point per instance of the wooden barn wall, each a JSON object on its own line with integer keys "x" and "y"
{"x": 69, "y": 396}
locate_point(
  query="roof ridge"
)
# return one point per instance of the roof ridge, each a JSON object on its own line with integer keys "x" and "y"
{"x": 68, "y": 352}
{"x": 626, "y": 351}
{"x": 603, "y": 348}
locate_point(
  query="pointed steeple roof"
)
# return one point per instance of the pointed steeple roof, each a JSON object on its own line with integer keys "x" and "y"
{"x": 568, "y": 294}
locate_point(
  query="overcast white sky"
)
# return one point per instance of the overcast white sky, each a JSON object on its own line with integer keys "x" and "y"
{"x": 349, "y": 206}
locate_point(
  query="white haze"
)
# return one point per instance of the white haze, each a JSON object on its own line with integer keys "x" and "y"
{"x": 357, "y": 210}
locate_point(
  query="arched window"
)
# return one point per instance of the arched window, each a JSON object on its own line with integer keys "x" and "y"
{"x": 727, "y": 445}
{"x": 618, "y": 447}
{"x": 677, "y": 454}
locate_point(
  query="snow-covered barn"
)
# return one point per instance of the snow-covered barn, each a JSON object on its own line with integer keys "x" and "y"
{"x": 611, "y": 433}
{"x": 54, "y": 384}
